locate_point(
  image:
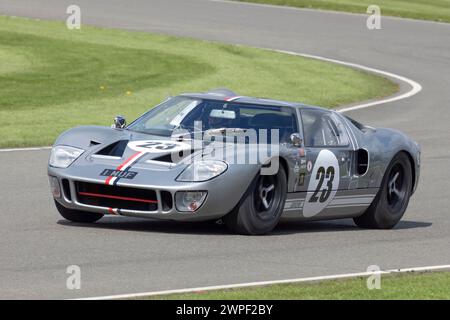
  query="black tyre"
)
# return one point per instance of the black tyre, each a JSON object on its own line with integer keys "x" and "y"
{"x": 77, "y": 216}
{"x": 392, "y": 199}
{"x": 261, "y": 207}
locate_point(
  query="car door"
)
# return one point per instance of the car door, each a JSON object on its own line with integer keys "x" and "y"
{"x": 328, "y": 160}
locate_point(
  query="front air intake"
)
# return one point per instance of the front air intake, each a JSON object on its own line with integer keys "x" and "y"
{"x": 107, "y": 196}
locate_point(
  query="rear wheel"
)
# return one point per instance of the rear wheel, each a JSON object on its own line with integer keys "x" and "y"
{"x": 392, "y": 200}
{"x": 77, "y": 216}
{"x": 262, "y": 206}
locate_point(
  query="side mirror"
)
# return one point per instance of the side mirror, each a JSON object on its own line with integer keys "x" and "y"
{"x": 296, "y": 140}
{"x": 119, "y": 122}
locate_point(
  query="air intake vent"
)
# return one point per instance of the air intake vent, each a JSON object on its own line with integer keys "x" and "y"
{"x": 362, "y": 162}
{"x": 115, "y": 150}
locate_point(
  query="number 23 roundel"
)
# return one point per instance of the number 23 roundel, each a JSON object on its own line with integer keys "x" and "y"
{"x": 323, "y": 183}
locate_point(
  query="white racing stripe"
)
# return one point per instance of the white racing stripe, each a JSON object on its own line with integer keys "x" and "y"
{"x": 129, "y": 162}
{"x": 338, "y": 197}
{"x": 265, "y": 283}
{"x": 347, "y": 205}
{"x": 365, "y": 200}
{"x": 356, "y": 196}
{"x": 299, "y": 207}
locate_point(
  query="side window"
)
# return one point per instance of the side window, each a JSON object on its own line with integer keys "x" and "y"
{"x": 270, "y": 118}
{"x": 323, "y": 129}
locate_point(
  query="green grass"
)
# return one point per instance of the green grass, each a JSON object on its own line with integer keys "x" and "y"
{"x": 52, "y": 78}
{"x": 435, "y": 10}
{"x": 404, "y": 286}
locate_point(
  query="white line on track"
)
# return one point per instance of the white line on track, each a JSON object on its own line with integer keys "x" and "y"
{"x": 265, "y": 283}
{"x": 317, "y": 10}
{"x": 25, "y": 149}
{"x": 415, "y": 87}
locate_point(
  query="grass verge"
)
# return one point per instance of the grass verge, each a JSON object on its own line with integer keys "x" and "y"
{"x": 434, "y": 10}
{"x": 52, "y": 78}
{"x": 401, "y": 286}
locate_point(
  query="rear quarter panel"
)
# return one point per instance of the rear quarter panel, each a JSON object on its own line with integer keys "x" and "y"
{"x": 383, "y": 144}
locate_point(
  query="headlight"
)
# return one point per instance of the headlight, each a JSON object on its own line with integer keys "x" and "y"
{"x": 63, "y": 156}
{"x": 189, "y": 201}
{"x": 202, "y": 171}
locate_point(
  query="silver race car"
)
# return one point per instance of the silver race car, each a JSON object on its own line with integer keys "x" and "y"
{"x": 247, "y": 161}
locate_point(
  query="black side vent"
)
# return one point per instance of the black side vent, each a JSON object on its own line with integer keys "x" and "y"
{"x": 362, "y": 161}
{"x": 116, "y": 149}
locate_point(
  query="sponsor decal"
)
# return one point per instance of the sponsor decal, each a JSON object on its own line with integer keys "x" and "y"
{"x": 301, "y": 179}
{"x": 118, "y": 174}
{"x": 296, "y": 168}
{"x": 309, "y": 166}
{"x": 302, "y": 152}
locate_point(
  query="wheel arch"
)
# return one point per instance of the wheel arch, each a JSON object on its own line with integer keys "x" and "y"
{"x": 283, "y": 163}
{"x": 413, "y": 167}
{"x": 285, "y": 166}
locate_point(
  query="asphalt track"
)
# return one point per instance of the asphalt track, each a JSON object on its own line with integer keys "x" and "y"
{"x": 119, "y": 256}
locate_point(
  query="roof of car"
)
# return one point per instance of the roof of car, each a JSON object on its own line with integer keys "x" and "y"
{"x": 229, "y": 96}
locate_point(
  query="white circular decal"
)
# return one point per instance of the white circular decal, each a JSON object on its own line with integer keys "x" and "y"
{"x": 158, "y": 146}
{"x": 323, "y": 183}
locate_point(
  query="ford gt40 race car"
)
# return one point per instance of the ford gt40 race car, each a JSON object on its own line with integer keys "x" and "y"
{"x": 247, "y": 161}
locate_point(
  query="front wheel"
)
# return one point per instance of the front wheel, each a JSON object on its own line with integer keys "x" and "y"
{"x": 392, "y": 200}
{"x": 77, "y": 216}
{"x": 261, "y": 207}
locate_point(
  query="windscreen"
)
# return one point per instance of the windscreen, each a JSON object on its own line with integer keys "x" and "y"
{"x": 193, "y": 115}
